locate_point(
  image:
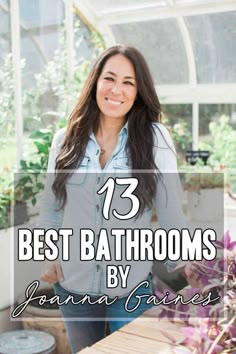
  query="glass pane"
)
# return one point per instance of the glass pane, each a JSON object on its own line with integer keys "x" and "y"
{"x": 183, "y": 2}
{"x": 5, "y": 35}
{"x": 4, "y": 23}
{"x": 4, "y": 3}
{"x": 38, "y": 13}
{"x": 162, "y": 45}
{"x": 178, "y": 117}
{"x": 42, "y": 34}
{"x": 83, "y": 37}
{"x": 41, "y": 23}
{"x": 7, "y": 116}
{"x": 87, "y": 46}
{"x": 33, "y": 61}
{"x": 213, "y": 38}
{"x": 218, "y": 135}
{"x": 194, "y": 2}
{"x": 211, "y": 113}
{"x": 46, "y": 43}
{"x": 109, "y": 5}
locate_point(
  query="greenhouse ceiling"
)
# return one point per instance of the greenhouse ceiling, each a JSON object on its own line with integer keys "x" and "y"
{"x": 190, "y": 45}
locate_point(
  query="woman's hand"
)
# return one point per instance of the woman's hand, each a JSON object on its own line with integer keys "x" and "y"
{"x": 52, "y": 272}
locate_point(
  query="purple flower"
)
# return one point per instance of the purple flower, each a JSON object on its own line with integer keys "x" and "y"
{"x": 198, "y": 339}
{"x": 203, "y": 311}
{"x": 218, "y": 277}
{"x": 226, "y": 242}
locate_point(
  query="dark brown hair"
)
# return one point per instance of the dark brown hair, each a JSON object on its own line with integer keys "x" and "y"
{"x": 85, "y": 118}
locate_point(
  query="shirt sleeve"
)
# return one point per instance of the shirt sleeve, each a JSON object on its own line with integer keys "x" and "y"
{"x": 169, "y": 195}
{"x": 49, "y": 216}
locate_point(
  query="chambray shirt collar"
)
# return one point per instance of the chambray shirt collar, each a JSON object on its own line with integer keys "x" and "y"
{"x": 124, "y": 129}
{"x": 123, "y": 132}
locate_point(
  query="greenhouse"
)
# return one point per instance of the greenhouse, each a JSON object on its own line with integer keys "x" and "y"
{"x": 47, "y": 51}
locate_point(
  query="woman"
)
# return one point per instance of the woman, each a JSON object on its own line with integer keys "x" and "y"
{"x": 115, "y": 126}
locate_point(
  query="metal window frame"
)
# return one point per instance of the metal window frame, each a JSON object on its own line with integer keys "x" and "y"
{"x": 16, "y": 58}
{"x": 169, "y": 94}
{"x": 193, "y": 93}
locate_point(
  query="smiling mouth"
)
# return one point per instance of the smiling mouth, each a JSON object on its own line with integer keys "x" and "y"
{"x": 117, "y": 103}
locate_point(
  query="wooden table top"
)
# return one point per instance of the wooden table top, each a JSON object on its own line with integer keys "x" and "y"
{"x": 144, "y": 335}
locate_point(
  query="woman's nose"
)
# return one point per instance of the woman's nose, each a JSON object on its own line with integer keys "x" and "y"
{"x": 116, "y": 88}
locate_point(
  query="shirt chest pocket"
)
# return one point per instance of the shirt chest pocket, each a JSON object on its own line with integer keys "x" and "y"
{"x": 121, "y": 170}
{"x": 80, "y": 175}
{"x": 121, "y": 163}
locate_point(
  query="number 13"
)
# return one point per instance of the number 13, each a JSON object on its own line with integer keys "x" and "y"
{"x": 109, "y": 188}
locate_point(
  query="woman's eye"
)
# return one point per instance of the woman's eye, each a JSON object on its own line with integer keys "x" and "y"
{"x": 129, "y": 83}
{"x": 109, "y": 78}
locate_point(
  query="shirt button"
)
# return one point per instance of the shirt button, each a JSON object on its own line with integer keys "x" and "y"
{"x": 97, "y": 207}
{"x": 98, "y": 267}
{"x": 98, "y": 179}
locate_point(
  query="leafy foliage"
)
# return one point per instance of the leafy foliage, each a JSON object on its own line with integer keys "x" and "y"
{"x": 5, "y": 200}
{"x": 46, "y": 106}
{"x": 223, "y": 145}
{"x": 180, "y": 134}
{"x": 55, "y": 90}
{"x": 7, "y": 110}
{"x": 203, "y": 180}
{"x": 215, "y": 332}
{"x": 32, "y": 173}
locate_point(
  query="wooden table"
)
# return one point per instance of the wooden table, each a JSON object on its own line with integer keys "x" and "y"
{"x": 145, "y": 335}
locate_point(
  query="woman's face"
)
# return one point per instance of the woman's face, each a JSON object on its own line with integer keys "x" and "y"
{"x": 116, "y": 87}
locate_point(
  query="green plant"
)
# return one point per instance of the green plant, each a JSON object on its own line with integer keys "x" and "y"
{"x": 7, "y": 109}
{"x": 223, "y": 144}
{"x": 30, "y": 179}
{"x": 29, "y": 182}
{"x": 6, "y": 98}
{"x": 5, "y": 201}
{"x": 181, "y": 136}
{"x": 222, "y": 150}
{"x": 54, "y": 90}
{"x": 197, "y": 181}
{"x": 9, "y": 196}
{"x": 54, "y": 83}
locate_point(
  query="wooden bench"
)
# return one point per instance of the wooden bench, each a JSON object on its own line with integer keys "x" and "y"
{"x": 144, "y": 335}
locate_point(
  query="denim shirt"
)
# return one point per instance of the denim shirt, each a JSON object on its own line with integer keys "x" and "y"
{"x": 84, "y": 209}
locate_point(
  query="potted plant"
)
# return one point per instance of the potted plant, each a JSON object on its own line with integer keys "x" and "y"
{"x": 30, "y": 179}
{"x": 204, "y": 193}
{"x": 12, "y": 203}
{"x": 214, "y": 329}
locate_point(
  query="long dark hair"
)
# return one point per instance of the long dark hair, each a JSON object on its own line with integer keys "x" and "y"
{"x": 85, "y": 118}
